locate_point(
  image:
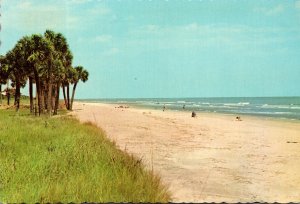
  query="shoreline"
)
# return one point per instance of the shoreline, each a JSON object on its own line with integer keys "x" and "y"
{"x": 199, "y": 158}
{"x": 217, "y": 115}
{"x": 206, "y": 113}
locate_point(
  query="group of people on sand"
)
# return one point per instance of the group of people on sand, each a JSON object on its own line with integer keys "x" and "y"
{"x": 238, "y": 118}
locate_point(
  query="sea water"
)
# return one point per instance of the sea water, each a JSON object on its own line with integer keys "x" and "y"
{"x": 275, "y": 107}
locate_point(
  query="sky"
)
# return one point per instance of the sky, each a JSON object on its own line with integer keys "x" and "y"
{"x": 170, "y": 48}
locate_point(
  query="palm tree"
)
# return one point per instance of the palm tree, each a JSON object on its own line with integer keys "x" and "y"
{"x": 45, "y": 60}
{"x": 59, "y": 57}
{"x": 61, "y": 75}
{"x": 69, "y": 79}
{"x": 17, "y": 63}
{"x": 50, "y": 36}
{"x": 40, "y": 53}
{"x": 81, "y": 75}
{"x": 22, "y": 68}
{"x": 27, "y": 45}
{"x": 3, "y": 74}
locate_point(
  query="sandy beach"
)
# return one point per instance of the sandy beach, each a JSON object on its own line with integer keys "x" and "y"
{"x": 210, "y": 158}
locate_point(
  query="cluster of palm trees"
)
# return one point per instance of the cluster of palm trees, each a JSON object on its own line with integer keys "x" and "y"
{"x": 46, "y": 62}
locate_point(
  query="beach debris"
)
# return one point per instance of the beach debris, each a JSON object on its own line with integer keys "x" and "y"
{"x": 238, "y": 118}
{"x": 193, "y": 114}
{"x": 291, "y": 142}
{"x": 122, "y": 106}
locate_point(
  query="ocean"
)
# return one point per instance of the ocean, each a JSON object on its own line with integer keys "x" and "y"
{"x": 274, "y": 107}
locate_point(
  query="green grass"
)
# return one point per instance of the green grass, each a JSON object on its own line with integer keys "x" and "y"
{"x": 61, "y": 160}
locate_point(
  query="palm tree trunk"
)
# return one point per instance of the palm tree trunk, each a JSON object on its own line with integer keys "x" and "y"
{"x": 8, "y": 97}
{"x": 17, "y": 95}
{"x": 68, "y": 95}
{"x": 39, "y": 95}
{"x": 56, "y": 98}
{"x": 35, "y": 101}
{"x": 30, "y": 95}
{"x": 73, "y": 93}
{"x": 38, "y": 90}
{"x": 45, "y": 95}
{"x": 53, "y": 96}
{"x": 1, "y": 93}
{"x": 49, "y": 97}
{"x": 15, "y": 101}
{"x": 7, "y": 92}
{"x": 43, "y": 98}
{"x": 64, "y": 93}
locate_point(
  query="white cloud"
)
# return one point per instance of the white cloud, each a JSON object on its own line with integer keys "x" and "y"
{"x": 273, "y": 11}
{"x": 99, "y": 10}
{"x": 103, "y": 38}
{"x": 79, "y": 1}
{"x": 30, "y": 16}
{"x": 194, "y": 36}
{"x": 36, "y": 16}
{"x": 110, "y": 52}
{"x": 191, "y": 32}
{"x": 152, "y": 28}
{"x": 24, "y": 5}
{"x": 297, "y": 4}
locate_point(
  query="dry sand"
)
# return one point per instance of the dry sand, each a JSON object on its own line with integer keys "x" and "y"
{"x": 208, "y": 158}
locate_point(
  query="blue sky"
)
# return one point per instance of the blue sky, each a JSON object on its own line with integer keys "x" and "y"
{"x": 174, "y": 48}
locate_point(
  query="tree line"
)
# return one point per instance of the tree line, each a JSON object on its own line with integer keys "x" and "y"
{"x": 46, "y": 62}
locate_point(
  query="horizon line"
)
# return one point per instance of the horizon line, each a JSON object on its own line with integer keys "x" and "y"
{"x": 187, "y": 97}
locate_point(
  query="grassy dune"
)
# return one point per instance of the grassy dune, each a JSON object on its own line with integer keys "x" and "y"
{"x": 59, "y": 159}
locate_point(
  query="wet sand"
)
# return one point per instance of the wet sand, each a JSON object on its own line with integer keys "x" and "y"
{"x": 210, "y": 158}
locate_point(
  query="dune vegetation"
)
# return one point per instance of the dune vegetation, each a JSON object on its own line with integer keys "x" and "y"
{"x": 57, "y": 159}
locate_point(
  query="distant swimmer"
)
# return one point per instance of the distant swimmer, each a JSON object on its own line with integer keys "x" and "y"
{"x": 183, "y": 107}
{"x": 193, "y": 114}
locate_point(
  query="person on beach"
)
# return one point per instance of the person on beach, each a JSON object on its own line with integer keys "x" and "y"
{"x": 193, "y": 114}
{"x": 238, "y": 118}
{"x": 164, "y": 108}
